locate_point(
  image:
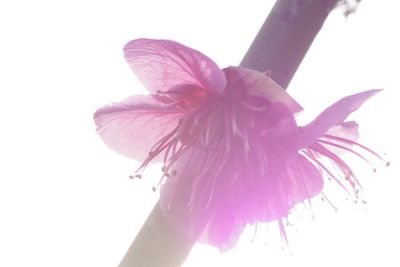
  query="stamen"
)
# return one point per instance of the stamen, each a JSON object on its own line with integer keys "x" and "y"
{"x": 342, "y": 165}
{"x": 235, "y": 128}
{"x": 283, "y": 232}
{"x": 228, "y": 141}
{"x": 211, "y": 194}
{"x": 133, "y": 176}
{"x": 324, "y": 198}
{"x": 154, "y": 188}
{"x": 253, "y": 108}
{"x": 348, "y": 149}
{"x": 351, "y": 142}
{"x": 160, "y": 146}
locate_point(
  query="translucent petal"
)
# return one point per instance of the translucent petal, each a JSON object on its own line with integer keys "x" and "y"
{"x": 184, "y": 199}
{"x": 259, "y": 84}
{"x": 134, "y": 125}
{"x": 162, "y": 64}
{"x": 347, "y": 129}
{"x": 224, "y": 229}
{"x": 297, "y": 181}
{"x": 202, "y": 203}
{"x": 333, "y": 115}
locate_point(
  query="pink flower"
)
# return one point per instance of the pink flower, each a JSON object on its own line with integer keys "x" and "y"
{"x": 233, "y": 153}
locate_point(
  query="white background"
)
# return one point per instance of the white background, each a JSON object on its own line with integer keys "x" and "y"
{"x": 65, "y": 199}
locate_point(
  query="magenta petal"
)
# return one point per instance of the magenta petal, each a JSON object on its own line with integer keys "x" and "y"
{"x": 132, "y": 126}
{"x": 333, "y": 115}
{"x": 163, "y": 64}
{"x": 259, "y": 84}
{"x": 201, "y": 204}
{"x": 224, "y": 230}
{"x": 297, "y": 181}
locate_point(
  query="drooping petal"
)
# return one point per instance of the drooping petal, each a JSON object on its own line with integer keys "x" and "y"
{"x": 184, "y": 199}
{"x": 259, "y": 84}
{"x": 221, "y": 184}
{"x": 296, "y": 182}
{"x": 333, "y": 115}
{"x": 202, "y": 200}
{"x": 224, "y": 229}
{"x": 162, "y": 64}
{"x": 134, "y": 125}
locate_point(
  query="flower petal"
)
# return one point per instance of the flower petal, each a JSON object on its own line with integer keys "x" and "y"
{"x": 134, "y": 125}
{"x": 162, "y": 64}
{"x": 183, "y": 199}
{"x": 347, "y": 129}
{"x": 298, "y": 181}
{"x": 259, "y": 84}
{"x": 333, "y": 115}
{"x": 224, "y": 230}
{"x": 201, "y": 203}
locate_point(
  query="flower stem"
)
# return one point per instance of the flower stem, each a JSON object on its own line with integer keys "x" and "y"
{"x": 286, "y": 36}
{"x": 157, "y": 244}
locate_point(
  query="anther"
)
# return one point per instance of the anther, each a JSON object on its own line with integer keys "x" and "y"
{"x": 137, "y": 176}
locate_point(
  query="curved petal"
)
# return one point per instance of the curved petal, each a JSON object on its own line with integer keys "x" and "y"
{"x": 333, "y": 115}
{"x": 224, "y": 230}
{"x": 201, "y": 203}
{"x": 298, "y": 181}
{"x": 259, "y": 84}
{"x": 347, "y": 129}
{"x": 183, "y": 199}
{"x": 134, "y": 125}
{"x": 279, "y": 128}
{"x": 163, "y": 64}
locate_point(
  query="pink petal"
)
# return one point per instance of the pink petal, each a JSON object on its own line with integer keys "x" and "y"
{"x": 224, "y": 230}
{"x": 279, "y": 128}
{"x": 162, "y": 64}
{"x": 259, "y": 84}
{"x": 186, "y": 213}
{"x": 202, "y": 206}
{"x": 347, "y": 130}
{"x": 333, "y": 115}
{"x": 134, "y": 125}
{"x": 297, "y": 181}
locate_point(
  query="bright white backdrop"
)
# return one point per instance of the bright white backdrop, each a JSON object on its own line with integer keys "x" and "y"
{"x": 65, "y": 199}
